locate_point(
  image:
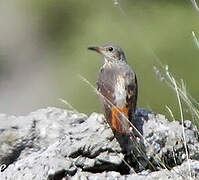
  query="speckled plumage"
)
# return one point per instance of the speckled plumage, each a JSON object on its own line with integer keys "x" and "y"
{"x": 117, "y": 85}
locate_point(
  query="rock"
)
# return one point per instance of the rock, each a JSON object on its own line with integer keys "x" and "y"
{"x": 21, "y": 136}
{"x": 59, "y": 144}
{"x": 178, "y": 173}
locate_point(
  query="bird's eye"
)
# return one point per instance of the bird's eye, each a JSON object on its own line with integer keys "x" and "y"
{"x": 110, "y": 49}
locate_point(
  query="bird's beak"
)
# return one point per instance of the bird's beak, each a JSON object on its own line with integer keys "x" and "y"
{"x": 95, "y": 48}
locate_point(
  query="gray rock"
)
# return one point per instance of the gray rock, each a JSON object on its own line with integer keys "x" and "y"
{"x": 180, "y": 172}
{"x": 20, "y": 136}
{"x": 59, "y": 144}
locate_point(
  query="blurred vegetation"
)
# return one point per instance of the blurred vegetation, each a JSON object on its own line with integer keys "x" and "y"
{"x": 146, "y": 30}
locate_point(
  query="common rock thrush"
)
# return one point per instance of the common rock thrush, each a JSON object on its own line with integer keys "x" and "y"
{"x": 117, "y": 85}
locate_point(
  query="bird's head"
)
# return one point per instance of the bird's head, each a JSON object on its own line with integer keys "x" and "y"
{"x": 110, "y": 52}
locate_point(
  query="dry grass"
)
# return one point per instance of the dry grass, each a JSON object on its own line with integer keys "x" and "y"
{"x": 195, "y": 5}
{"x": 182, "y": 94}
{"x": 180, "y": 90}
{"x": 159, "y": 161}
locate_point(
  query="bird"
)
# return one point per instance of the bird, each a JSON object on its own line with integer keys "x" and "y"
{"x": 118, "y": 88}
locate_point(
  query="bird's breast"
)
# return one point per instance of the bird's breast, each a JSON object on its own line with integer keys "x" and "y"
{"x": 111, "y": 84}
{"x": 120, "y": 91}
{"x": 112, "y": 87}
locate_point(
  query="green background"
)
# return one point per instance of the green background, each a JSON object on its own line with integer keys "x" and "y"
{"x": 146, "y": 31}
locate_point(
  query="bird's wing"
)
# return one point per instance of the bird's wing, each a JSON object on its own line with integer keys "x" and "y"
{"x": 119, "y": 96}
{"x": 105, "y": 87}
{"x": 132, "y": 93}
